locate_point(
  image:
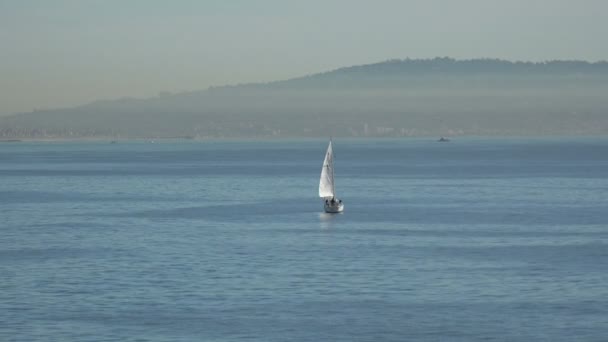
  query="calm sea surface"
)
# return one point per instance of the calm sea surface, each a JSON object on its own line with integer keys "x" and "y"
{"x": 471, "y": 240}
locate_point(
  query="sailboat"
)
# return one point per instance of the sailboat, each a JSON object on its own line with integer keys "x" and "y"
{"x": 327, "y": 189}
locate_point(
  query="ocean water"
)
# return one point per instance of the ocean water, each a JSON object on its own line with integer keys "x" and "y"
{"x": 471, "y": 240}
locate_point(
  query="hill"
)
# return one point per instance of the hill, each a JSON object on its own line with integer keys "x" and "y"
{"x": 440, "y": 96}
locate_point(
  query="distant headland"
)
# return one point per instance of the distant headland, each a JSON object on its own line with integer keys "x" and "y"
{"x": 400, "y": 97}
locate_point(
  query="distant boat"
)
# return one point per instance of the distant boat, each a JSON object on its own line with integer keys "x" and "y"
{"x": 327, "y": 189}
{"x": 443, "y": 139}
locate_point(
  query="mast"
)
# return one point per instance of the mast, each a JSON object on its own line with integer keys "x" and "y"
{"x": 333, "y": 179}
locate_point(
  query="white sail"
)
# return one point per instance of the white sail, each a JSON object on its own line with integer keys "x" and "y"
{"x": 326, "y": 184}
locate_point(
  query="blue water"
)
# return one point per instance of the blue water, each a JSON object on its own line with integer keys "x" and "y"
{"x": 471, "y": 240}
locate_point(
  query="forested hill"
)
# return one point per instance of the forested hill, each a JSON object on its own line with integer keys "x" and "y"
{"x": 440, "y": 96}
{"x": 484, "y": 65}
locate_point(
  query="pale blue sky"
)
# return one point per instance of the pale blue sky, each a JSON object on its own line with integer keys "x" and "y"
{"x": 68, "y": 52}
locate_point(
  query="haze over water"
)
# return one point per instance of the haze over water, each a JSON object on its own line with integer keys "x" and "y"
{"x": 475, "y": 239}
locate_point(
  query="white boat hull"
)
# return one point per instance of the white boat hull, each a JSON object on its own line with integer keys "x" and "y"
{"x": 335, "y": 208}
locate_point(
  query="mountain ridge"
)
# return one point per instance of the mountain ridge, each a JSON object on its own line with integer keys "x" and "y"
{"x": 394, "y": 97}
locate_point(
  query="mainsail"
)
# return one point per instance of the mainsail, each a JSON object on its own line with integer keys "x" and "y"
{"x": 326, "y": 184}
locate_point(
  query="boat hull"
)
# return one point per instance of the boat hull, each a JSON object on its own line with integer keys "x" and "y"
{"x": 338, "y": 207}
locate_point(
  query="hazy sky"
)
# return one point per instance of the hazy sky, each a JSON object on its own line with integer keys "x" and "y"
{"x": 68, "y": 52}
